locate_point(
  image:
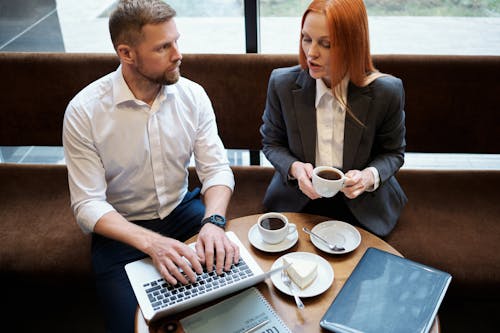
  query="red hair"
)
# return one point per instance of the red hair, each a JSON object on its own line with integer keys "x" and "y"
{"x": 349, "y": 37}
{"x": 350, "y": 44}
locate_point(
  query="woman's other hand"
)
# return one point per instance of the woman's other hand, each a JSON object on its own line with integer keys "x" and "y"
{"x": 357, "y": 182}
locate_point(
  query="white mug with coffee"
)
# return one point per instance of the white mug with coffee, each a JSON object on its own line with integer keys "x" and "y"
{"x": 327, "y": 181}
{"x": 274, "y": 227}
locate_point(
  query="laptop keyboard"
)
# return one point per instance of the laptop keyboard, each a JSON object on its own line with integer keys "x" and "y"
{"x": 162, "y": 294}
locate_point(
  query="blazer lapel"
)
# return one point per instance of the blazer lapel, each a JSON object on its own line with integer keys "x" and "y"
{"x": 304, "y": 100}
{"x": 359, "y": 100}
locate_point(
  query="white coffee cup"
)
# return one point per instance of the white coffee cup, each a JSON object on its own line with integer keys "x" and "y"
{"x": 274, "y": 227}
{"x": 327, "y": 181}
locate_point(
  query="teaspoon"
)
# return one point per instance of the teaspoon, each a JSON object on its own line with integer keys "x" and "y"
{"x": 330, "y": 246}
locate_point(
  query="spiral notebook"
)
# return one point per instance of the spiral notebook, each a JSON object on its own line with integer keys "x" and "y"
{"x": 247, "y": 311}
{"x": 387, "y": 293}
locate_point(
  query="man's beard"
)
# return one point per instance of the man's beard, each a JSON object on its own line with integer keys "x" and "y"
{"x": 166, "y": 78}
{"x": 169, "y": 78}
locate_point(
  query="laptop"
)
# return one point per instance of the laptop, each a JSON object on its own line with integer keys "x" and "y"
{"x": 157, "y": 298}
{"x": 387, "y": 293}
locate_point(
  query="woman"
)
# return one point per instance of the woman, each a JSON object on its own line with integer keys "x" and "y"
{"x": 336, "y": 109}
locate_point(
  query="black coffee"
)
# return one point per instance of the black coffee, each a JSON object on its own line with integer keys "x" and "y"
{"x": 272, "y": 223}
{"x": 329, "y": 174}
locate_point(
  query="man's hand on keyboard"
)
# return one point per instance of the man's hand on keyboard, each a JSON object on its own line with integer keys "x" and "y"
{"x": 214, "y": 246}
{"x": 170, "y": 255}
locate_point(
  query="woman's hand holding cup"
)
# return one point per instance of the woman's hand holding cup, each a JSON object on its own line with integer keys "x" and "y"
{"x": 302, "y": 172}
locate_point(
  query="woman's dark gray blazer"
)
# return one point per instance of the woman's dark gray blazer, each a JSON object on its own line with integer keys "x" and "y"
{"x": 289, "y": 134}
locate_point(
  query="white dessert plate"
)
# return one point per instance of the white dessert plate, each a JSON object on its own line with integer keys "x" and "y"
{"x": 339, "y": 233}
{"x": 323, "y": 280}
{"x": 256, "y": 240}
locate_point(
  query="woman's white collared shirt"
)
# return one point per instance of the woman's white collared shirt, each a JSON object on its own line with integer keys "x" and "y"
{"x": 330, "y": 124}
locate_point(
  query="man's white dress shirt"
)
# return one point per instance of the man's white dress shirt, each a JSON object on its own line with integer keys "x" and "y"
{"x": 126, "y": 156}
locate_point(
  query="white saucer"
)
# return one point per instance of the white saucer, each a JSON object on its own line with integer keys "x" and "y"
{"x": 323, "y": 280}
{"x": 256, "y": 240}
{"x": 339, "y": 233}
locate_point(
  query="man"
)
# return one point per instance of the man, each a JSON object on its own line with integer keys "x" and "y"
{"x": 128, "y": 139}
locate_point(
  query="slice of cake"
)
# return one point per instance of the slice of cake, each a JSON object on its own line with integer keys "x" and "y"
{"x": 302, "y": 272}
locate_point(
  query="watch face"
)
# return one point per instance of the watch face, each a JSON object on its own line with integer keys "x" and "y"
{"x": 218, "y": 218}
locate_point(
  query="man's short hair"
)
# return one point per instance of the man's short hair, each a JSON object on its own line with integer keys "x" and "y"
{"x": 129, "y": 16}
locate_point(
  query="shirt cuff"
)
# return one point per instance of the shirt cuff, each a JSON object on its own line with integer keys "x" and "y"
{"x": 224, "y": 177}
{"x": 376, "y": 178}
{"x": 88, "y": 215}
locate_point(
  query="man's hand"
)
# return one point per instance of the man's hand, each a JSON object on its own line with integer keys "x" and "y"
{"x": 167, "y": 254}
{"x": 303, "y": 173}
{"x": 214, "y": 246}
{"x": 357, "y": 182}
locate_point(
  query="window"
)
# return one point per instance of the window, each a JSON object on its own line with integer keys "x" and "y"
{"x": 215, "y": 26}
{"x": 218, "y": 26}
{"x": 466, "y": 27}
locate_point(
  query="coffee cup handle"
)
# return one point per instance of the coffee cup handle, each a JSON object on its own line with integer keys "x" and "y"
{"x": 344, "y": 178}
{"x": 291, "y": 228}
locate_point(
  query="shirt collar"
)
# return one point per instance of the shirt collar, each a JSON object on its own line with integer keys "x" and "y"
{"x": 322, "y": 89}
{"x": 123, "y": 94}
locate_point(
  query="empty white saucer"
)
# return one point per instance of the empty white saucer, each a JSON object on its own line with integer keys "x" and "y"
{"x": 339, "y": 233}
{"x": 256, "y": 240}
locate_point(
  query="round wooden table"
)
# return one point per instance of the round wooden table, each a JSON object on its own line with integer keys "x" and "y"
{"x": 306, "y": 320}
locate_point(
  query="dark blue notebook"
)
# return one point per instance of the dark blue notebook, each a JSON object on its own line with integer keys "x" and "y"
{"x": 387, "y": 293}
